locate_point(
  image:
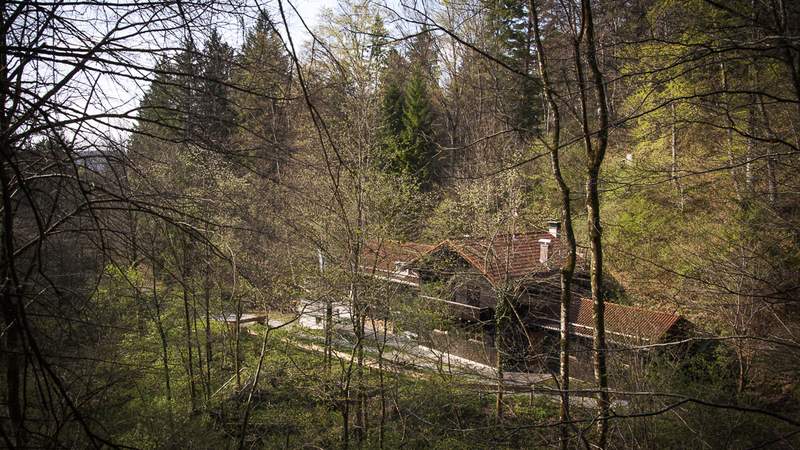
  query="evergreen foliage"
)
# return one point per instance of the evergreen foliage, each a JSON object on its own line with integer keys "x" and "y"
{"x": 511, "y": 42}
{"x": 263, "y": 74}
{"x": 417, "y": 154}
{"x": 408, "y": 148}
{"x": 215, "y": 107}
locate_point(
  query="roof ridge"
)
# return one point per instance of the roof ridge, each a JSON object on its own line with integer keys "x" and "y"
{"x": 492, "y": 238}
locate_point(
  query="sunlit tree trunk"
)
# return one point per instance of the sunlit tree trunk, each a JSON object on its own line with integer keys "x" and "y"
{"x": 595, "y": 153}
{"x": 502, "y": 316}
{"x": 568, "y": 267}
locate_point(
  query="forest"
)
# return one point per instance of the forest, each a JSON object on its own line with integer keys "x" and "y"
{"x": 294, "y": 224}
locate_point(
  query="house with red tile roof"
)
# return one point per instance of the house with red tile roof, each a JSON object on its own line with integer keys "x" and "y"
{"x": 466, "y": 274}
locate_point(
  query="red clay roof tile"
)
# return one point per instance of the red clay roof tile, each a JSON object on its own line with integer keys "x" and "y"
{"x": 624, "y": 321}
{"x": 503, "y": 257}
{"x": 509, "y": 257}
{"x": 515, "y": 257}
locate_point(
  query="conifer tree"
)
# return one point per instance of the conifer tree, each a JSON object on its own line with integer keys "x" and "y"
{"x": 264, "y": 75}
{"x": 511, "y": 39}
{"x": 187, "y": 67}
{"x": 217, "y": 116}
{"x": 159, "y": 108}
{"x": 392, "y": 106}
{"x": 407, "y": 115}
{"x": 416, "y": 138}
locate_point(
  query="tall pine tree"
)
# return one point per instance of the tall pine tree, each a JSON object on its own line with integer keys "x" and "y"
{"x": 509, "y": 25}
{"x": 407, "y": 114}
{"x": 417, "y": 156}
{"x": 215, "y": 108}
{"x": 264, "y": 75}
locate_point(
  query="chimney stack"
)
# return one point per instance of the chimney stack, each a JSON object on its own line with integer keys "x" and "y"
{"x": 553, "y": 227}
{"x": 544, "y": 246}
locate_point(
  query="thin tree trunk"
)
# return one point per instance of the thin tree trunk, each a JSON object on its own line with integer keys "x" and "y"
{"x": 207, "y": 301}
{"x": 730, "y": 141}
{"x": 381, "y": 382}
{"x": 364, "y": 398}
{"x": 189, "y": 345}
{"x": 196, "y": 334}
{"x": 328, "y": 333}
{"x": 501, "y": 312}
{"x": 358, "y": 305}
{"x": 163, "y": 336}
{"x": 749, "y": 177}
{"x": 598, "y": 306}
{"x": 595, "y": 155}
{"x": 498, "y": 405}
{"x": 9, "y": 298}
{"x": 328, "y": 350}
{"x": 188, "y": 324}
{"x": 673, "y": 173}
{"x": 346, "y": 420}
{"x": 237, "y": 344}
{"x": 237, "y": 326}
{"x": 359, "y": 354}
{"x": 772, "y": 184}
{"x": 256, "y": 377}
{"x": 568, "y": 268}
{"x": 11, "y": 341}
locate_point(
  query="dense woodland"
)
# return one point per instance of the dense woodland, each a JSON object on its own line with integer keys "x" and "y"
{"x": 169, "y": 167}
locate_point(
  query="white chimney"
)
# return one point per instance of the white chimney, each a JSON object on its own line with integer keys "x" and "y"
{"x": 553, "y": 227}
{"x": 544, "y": 246}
